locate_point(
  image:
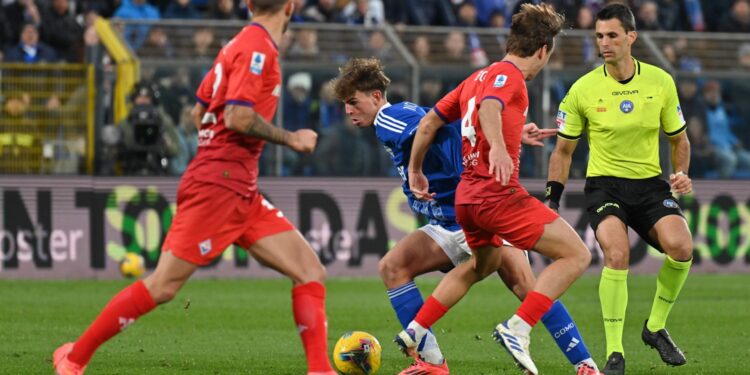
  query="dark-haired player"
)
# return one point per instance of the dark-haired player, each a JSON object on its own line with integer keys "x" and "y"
{"x": 622, "y": 105}
{"x": 218, "y": 202}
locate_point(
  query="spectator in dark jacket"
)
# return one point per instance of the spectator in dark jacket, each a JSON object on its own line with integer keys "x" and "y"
{"x": 738, "y": 19}
{"x": 60, "y": 31}
{"x": 135, "y": 35}
{"x": 181, "y": 9}
{"x": 430, "y": 12}
{"x": 5, "y": 33}
{"x": 17, "y": 14}
{"x": 323, "y": 11}
{"x": 30, "y": 50}
{"x": 223, "y": 10}
{"x": 648, "y": 16}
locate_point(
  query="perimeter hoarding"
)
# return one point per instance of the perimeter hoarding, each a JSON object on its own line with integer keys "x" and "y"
{"x": 79, "y": 227}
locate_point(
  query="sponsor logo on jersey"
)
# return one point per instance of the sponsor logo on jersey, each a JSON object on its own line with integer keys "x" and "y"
{"x": 670, "y": 203}
{"x": 627, "y": 106}
{"x": 471, "y": 159}
{"x": 561, "y": 118}
{"x": 205, "y": 247}
{"x": 601, "y": 109}
{"x": 276, "y": 91}
{"x": 257, "y": 62}
{"x": 205, "y": 136}
{"x": 679, "y": 113}
{"x": 500, "y": 80}
{"x": 624, "y": 92}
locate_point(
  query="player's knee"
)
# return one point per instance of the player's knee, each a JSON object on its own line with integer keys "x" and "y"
{"x": 317, "y": 273}
{"x": 392, "y": 272}
{"x": 616, "y": 258}
{"x": 680, "y": 250}
{"x": 584, "y": 257}
{"x": 580, "y": 258}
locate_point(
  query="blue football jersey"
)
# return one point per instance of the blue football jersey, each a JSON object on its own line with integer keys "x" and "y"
{"x": 395, "y": 127}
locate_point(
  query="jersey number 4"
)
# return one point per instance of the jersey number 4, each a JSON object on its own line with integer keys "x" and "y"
{"x": 467, "y": 127}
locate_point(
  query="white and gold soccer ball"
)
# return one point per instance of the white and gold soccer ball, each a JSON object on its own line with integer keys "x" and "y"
{"x": 132, "y": 265}
{"x": 357, "y": 353}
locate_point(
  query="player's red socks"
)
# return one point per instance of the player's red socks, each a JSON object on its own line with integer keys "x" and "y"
{"x": 431, "y": 312}
{"x": 121, "y": 311}
{"x": 308, "y": 303}
{"x": 533, "y": 307}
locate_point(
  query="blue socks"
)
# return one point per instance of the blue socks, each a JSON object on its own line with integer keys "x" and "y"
{"x": 560, "y": 325}
{"x": 406, "y": 301}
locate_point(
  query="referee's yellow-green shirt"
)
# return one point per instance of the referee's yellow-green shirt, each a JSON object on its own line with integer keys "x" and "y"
{"x": 622, "y": 121}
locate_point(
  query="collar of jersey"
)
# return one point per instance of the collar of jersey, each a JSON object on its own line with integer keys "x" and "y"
{"x": 386, "y": 105}
{"x": 637, "y": 70}
{"x": 267, "y": 33}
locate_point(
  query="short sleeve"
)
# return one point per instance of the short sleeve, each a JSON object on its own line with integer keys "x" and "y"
{"x": 672, "y": 121}
{"x": 245, "y": 80}
{"x": 502, "y": 87}
{"x": 570, "y": 118}
{"x": 411, "y": 120}
{"x": 449, "y": 107}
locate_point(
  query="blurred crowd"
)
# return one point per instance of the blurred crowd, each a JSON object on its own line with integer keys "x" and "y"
{"x": 38, "y": 31}
{"x": 60, "y": 23}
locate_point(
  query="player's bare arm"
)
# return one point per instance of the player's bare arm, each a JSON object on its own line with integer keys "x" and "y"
{"x": 560, "y": 160}
{"x": 196, "y": 114}
{"x": 245, "y": 120}
{"x": 426, "y": 131}
{"x": 679, "y": 180}
{"x": 533, "y": 136}
{"x": 501, "y": 165}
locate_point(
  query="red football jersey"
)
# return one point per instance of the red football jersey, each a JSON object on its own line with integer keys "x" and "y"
{"x": 246, "y": 72}
{"x": 501, "y": 81}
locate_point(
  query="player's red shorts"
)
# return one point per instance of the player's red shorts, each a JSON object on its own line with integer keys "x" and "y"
{"x": 210, "y": 218}
{"x": 518, "y": 219}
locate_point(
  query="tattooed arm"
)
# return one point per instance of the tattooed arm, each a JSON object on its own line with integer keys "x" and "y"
{"x": 245, "y": 120}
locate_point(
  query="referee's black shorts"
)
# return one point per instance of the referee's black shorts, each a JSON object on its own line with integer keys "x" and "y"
{"x": 638, "y": 203}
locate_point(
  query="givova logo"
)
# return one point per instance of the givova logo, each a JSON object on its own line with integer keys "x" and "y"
{"x": 607, "y": 205}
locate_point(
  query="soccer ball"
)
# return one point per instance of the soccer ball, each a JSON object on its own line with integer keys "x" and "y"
{"x": 132, "y": 265}
{"x": 357, "y": 353}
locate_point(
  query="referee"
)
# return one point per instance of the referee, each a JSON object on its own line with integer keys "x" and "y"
{"x": 621, "y": 106}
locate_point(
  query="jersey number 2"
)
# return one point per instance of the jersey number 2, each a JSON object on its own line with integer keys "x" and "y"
{"x": 210, "y": 117}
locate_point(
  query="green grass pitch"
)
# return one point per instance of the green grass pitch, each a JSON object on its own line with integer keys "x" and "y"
{"x": 246, "y": 326}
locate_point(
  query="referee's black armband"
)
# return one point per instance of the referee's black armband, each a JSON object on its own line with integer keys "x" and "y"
{"x": 553, "y": 193}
